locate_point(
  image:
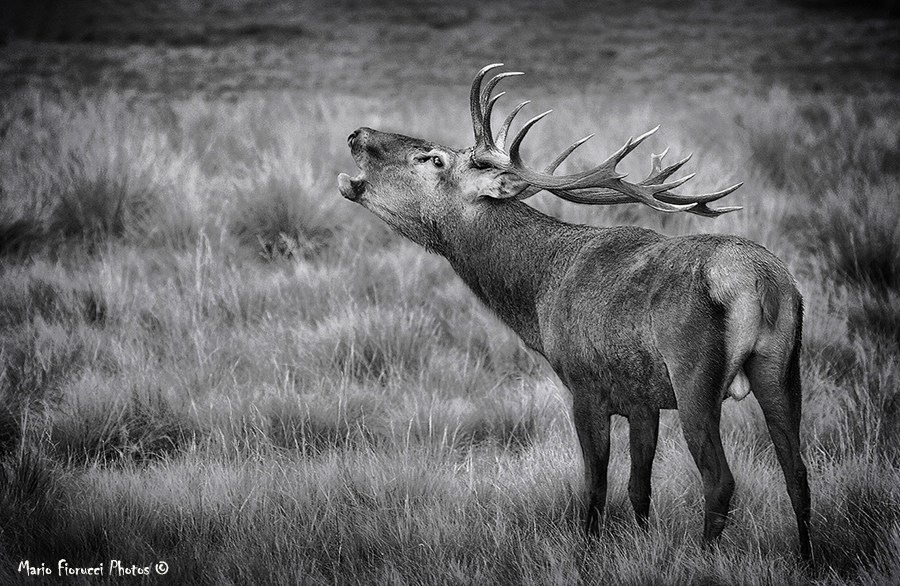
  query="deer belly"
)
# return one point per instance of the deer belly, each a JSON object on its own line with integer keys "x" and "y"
{"x": 647, "y": 388}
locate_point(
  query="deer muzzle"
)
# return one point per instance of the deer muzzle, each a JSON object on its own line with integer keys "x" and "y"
{"x": 352, "y": 188}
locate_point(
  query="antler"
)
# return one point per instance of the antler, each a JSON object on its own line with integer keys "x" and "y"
{"x": 602, "y": 185}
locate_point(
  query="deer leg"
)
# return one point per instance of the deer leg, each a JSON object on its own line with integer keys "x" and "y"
{"x": 779, "y": 397}
{"x": 700, "y": 423}
{"x": 592, "y": 427}
{"x": 643, "y": 430}
{"x": 718, "y": 483}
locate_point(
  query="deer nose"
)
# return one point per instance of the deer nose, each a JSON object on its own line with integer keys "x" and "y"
{"x": 354, "y": 136}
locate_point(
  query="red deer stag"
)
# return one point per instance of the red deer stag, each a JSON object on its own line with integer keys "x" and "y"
{"x": 630, "y": 320}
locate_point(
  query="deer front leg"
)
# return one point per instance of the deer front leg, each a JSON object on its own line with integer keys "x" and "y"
{"x": 592, "y": 425}
{"x": 643, "y": 430}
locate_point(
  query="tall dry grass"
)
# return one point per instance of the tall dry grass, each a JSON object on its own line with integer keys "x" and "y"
{"x": 209, "y": 358}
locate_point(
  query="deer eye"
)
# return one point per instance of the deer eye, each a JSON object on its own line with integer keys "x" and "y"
{"x": 437, "y": 161}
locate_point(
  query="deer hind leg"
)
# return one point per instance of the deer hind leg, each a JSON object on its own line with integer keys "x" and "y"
{"x": 592, "y": 426}
{"x": 702, "y": 434}
{"x": 698, "y": 388}
{"x": 776, "y": 386}
{"x": 643, "y": 430}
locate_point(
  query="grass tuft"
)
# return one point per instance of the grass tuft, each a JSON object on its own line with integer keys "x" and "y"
{"x": 93, "y": 210}
{"x": 377, "y": 344}
{"x": 282, "y": 219}
{"x": 131, "y": 426}
{"x": 31, "y": 505}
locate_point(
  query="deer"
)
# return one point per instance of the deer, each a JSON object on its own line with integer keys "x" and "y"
{"x": 631, "y": 321}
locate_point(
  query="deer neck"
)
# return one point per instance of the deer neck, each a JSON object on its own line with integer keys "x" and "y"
{"x": 510, "y": 255}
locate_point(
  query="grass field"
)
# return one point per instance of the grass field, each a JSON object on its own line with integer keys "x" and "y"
{"x": 208, "y": 358}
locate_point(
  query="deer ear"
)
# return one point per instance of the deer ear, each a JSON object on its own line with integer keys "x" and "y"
{"x": 501, "y": 186}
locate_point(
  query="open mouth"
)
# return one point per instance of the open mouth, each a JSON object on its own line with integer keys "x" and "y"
{"x": 352, "y": 187}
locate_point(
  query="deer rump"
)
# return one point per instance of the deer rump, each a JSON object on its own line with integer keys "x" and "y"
{"x": 622, "y": 319}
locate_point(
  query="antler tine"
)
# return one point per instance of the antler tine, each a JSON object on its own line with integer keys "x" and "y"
{"x": 549, "y": 169}
{"x": 632, "y": 143}
{"x": 488, "y": 90}
{"x": 489, "y": 106}
{"x": 662, "y": 187}
{"x": 486, "y": 112}
{"x": 703, "y": 210}
{"x": 475, "y": 101}
{"x": 514, "y": 156}
{"x": 504, "y": 128}
{"x": 699, "y": 199}
{"x": 657, "y": 173}
{"x": 656, "y": 161}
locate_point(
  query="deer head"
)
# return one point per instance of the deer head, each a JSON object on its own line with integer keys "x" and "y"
{"x": 414, "y": 184}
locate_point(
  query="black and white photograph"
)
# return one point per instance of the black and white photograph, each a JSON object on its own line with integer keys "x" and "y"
{"x": 450, "y": 292}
